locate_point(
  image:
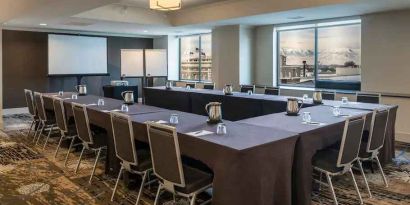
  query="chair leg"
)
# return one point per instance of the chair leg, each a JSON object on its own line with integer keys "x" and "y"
{"x": 158, "y": 193}
{"x": 116, "y": 183}
{"x": 79, "y": 160}
{"x": 48, "y": 136}
{"x": 381, "y": 171}
{"x": 332, "y": 190}
{"x": 193, "y": 200}
{"x": 95, "y": 165}
{"x": 31, "y": 127}
{"x": 355, "y": 186}
{"x": 144, "y": 178}
{"x": 364, "y": 177}
{"x": 37, "y": 128}
{"x": 68, "y": 152}
{"x": 59, "y": 144}
{"x": 40, "y": 133}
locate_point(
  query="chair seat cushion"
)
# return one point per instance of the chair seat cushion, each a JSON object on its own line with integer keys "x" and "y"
{"x": 72, "y": 130}
{"x": 144, "y": 160}
{"x": 327, "y": 160}
{"x": 100, "y": 140}
{"x": 363, "y": 151}
{"x": 194, "y": 180}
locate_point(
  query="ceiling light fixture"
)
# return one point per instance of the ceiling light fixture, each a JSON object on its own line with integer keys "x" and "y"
{"x": 145, "y": 31}
{"x": 165, "y": 5}
{"x": 43, "y": 24}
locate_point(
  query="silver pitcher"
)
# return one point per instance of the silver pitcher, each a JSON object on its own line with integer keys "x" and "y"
{"x": 168, "y": 85}
{"x": 293, "y": 107}
{"x": 228, "y": 90}
{"x": 214, "y": 111}
{"x": 317, "y": 97}
{"x": 128, "y": 97}
{"x": 81, "y": 89}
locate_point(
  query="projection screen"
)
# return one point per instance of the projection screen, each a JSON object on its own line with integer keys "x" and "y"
{"x": 76, "y": 55}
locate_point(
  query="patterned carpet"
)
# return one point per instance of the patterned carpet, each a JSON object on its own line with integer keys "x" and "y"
{"x": 31, "y": 175}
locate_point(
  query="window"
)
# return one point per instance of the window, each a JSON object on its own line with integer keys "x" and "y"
{"x": 196, "y": 58}
{"x": 325, "y": 55}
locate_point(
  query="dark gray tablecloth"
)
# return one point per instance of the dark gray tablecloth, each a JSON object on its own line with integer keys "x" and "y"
{"x": 251, "y": 164}
{"x": 311, "y": 139}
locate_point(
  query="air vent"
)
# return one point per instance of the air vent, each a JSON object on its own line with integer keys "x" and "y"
{"x": 73, "y": 23}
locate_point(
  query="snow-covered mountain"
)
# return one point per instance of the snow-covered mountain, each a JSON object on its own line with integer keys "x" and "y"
{"x": 336, "y": 56}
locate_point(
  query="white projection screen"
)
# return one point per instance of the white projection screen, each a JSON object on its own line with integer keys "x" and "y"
{"x": 156, "y": 64}
{"x": 76, "y": 55}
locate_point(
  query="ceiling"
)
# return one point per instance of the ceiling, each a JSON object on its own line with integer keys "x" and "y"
{"x": 134, "y": 18}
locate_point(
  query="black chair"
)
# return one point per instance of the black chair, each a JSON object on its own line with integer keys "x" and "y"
{"x": 175, "y": 177}
{"x": 328, "y": 95}
{"x": 209, "y": 86}
{"x": 92, "y": 139}
{"x": 33, "y": 112}
{"x": 133, "y": 160}
{"x": 332, "y": 162}
{"x": 68, "y": 130}
{"x": 47, "y": 122}
{"x": 371, "y": 145}
{"x": 368, "y": 97}
{"x": 191, "y": 85}
{"x": 246, "y": 88}
{"x": 272, "y": 91}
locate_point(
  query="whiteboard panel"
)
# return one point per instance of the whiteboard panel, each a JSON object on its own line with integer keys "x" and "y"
{"x": 156, "y": 62}
{"x": 132, "y": 62}
{"x": 71, "y": 55}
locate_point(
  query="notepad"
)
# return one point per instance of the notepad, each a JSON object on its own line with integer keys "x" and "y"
{"x": 314, "y": 123}
{"x": 200, "y": 133}
{"x": 92, "y": 104}
{"x": 161, "y": 122}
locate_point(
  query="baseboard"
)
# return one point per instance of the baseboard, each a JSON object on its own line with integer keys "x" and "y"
{"x": 403, "y": 137}
{"x": 12, "y": 111}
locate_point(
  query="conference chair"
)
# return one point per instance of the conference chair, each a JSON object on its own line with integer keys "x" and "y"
{"x": 332, "y": 162}
{"x": 174, "y": 176}
{"x": 368, "y": 97}
{"x": 208, "y": 86}
{"x": 92, "y": 138}
{"x": 371, "y": 145}
{"x": 133, "y": 160}
{"x": 246, "y": 88}
{"x": 191, "y": 85}
{"x": 68, "y": 130}
{"x": 46, "y": 122}
{"x": 272, "y": 91}
{"x": 33, "y": 112}
{"x": 328, "y": 95}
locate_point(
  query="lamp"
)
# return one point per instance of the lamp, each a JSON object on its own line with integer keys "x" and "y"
{"x": 165, "y": 5}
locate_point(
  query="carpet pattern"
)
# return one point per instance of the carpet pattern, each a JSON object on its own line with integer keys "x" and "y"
{"x": 31, "y": 175}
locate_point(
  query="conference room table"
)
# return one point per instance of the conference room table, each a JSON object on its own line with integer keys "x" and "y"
{"x": 237, "y": 159}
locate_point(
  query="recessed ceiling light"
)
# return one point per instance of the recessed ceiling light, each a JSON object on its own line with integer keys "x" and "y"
{"x": 145, "y": 31}
{"x": 43, "y": 24}
{"x": 296, "y": 17}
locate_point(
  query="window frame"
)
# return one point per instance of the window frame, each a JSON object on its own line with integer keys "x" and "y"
{"x": 200, "y": 58}
{"x": 321, "y": 84}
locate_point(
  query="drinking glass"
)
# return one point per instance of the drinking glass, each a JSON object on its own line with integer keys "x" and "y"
{"x": 306, "y": 117}
{"x": 336, "y": 111}
{"x": 124, "y": 108}
{"x": 100, "y": 102}
{"x": 60, "y": 93}
{"x": 174, "y": 119}
{"x": 74, "y": 96}
{"x": 249, "y": 92}
{"x": 188, "y": 87}
{"x": 221, "y": 129}
{"x": 345, "y": 100}
{"x": 305, "y": 97}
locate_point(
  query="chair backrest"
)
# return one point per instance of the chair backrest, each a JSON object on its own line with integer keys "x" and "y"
{"x": 352, "y": 136}
{"x": 38, "y": 101}
{"x": 59, "y": 112}
{"x": 191, "y": 85}
{"x": 82, "y": 123}
{"x": 246, "y": 88}
{"x": 209, "y": 86}
{"x": 368, "y": 97}
{"x": 165, "y": 153}
{"x": 30, "y": 102}
{"x": 271, "y": 91}
{"x": 123, "y": 134}
{"x": 327, "y": 95}
{"x": 377, "y": 130}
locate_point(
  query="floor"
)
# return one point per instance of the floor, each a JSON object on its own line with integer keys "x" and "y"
{"x": 31, "y": 175}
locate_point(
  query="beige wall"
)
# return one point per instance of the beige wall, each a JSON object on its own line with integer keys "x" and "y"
{"x": 246, "y": 55}
{"x": 264, "y": 56}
